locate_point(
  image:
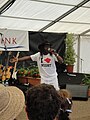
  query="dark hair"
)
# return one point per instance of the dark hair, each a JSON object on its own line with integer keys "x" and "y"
{"x": 42, "y": 102}
{"x": 63, "y": 115}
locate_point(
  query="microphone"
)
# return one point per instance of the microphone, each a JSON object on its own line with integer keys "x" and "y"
{"x": 51, "y": 50}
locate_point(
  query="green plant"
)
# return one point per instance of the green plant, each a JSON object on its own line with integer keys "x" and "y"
{"x": 29, "y": 72}
{"x": 70, "y": 55}
{"x": 86, "y": 80}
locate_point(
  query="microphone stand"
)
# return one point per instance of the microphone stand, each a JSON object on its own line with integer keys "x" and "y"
{"x": 81, "y": 62}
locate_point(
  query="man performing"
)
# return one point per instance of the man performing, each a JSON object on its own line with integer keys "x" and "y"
{"x": 45, "y": 59}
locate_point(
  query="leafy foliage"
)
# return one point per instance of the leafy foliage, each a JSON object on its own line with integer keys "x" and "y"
{"x": 86, "y": 80}
{"x": 29, "y": 72}
{"x": 69, "y": 58}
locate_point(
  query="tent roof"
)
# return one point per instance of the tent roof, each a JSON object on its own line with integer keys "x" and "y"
{"x": 48, "y": 16}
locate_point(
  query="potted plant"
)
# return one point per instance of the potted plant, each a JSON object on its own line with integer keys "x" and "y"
{"x": 86, "y": 81}
{"x": 29, "y": 75}
{"x": 69, "y": 58}
{"x": 29, "y": 72}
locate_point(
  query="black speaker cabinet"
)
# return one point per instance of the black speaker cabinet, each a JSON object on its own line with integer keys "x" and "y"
{"x": 78, "y": 91}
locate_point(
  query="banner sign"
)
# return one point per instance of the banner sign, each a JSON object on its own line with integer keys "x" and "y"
{"x": 14, "y": 40}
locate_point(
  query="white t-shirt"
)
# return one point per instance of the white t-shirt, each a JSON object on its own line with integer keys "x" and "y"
{"x": 47, "y": 68}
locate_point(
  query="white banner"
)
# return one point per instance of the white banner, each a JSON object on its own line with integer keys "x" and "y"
{"x": 14, "y": 40}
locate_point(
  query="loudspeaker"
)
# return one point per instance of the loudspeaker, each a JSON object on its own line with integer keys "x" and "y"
{"x": 78, "y": 91}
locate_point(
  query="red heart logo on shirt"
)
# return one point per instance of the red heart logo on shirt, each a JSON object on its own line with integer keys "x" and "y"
{"x": 47, "y": 60}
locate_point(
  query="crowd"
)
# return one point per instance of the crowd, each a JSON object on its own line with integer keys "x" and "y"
{"x": 42, "y": 102}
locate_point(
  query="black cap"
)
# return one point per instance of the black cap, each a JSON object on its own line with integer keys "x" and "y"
{"x": 44, "y": 44}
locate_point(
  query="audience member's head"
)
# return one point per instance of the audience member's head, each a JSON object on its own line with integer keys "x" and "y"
{"x": 11, "y": 102}
{"x": 65, "y": 93}
{"x": 66, "y": 104}
{"x": 67, "y": 99}
{"x": 42, "y": 102}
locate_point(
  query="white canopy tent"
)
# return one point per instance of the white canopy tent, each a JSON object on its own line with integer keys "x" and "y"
{"x": 72, "y": 16}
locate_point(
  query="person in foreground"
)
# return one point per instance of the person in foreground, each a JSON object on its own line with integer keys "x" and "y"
{"x": 42, "y": 102}
{"x": 12, "y": 102}
{"x": 66, "y": 105}
{"x": 45, "y": 59}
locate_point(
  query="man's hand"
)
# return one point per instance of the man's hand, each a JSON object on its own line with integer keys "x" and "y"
{"x": 51, "y": 50}
{"x": 14, "y": 59}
